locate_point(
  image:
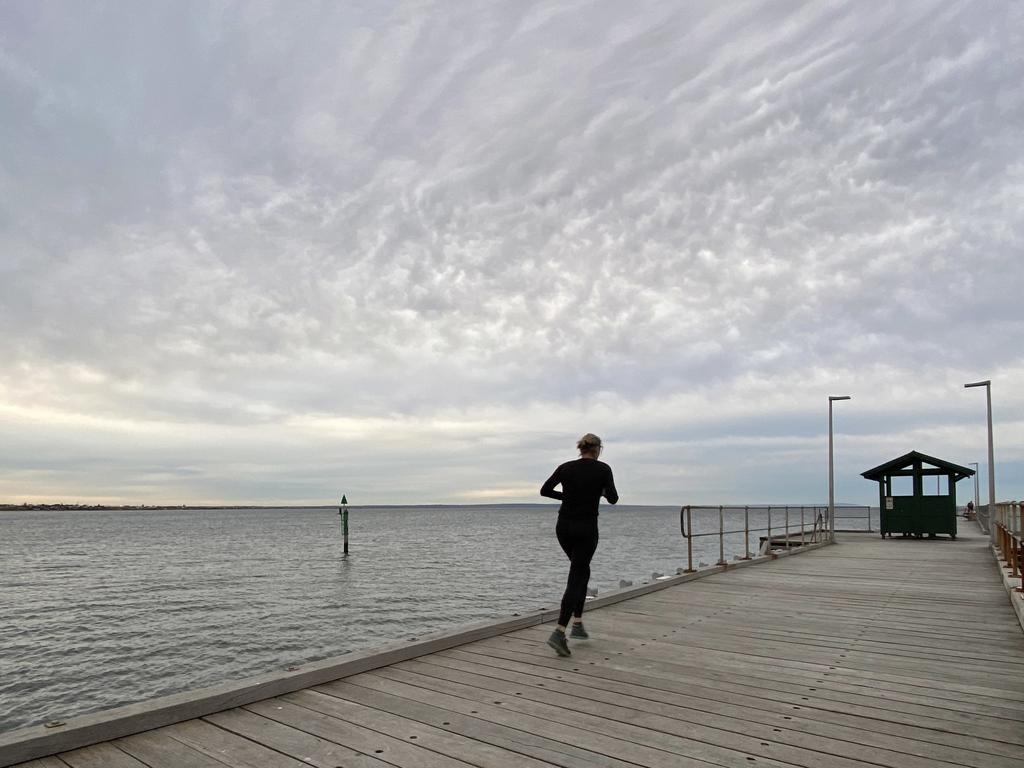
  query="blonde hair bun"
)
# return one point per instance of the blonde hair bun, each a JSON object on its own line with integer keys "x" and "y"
{"x": 588, "y": 443}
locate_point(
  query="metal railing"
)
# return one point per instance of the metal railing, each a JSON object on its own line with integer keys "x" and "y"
{"x": 784, "y": 526}
{"x": 981, "y": 515}
{"x": 1008, "y": 538}
{"x": 862, "y": 516}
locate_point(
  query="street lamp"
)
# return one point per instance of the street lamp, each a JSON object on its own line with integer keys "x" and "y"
{"x": 977, "y": 500}
{"x": 987, "y": 384}
{"x": 831, "y": 481}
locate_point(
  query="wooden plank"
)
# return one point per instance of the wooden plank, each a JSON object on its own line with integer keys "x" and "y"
{"x": 784, "y": 704}
{"x": 912, "y": 614}
{"x": 227, "y": 747}
{"x": 400, "y": 748}
{"x": 684, "y": 739}
{"x": 828, "y": 633}
{"x": 896, "y": 655}
{"x": 159, "y": 750}
{"x": 795, "y": 663}
{"x": 438, "y": 740}
{"x": 731, "y": 729}
{"x": 865, "y": 731}
{"x": 701, "y": 604}
{"x": 758, "y": 669}
{"x": 527, "y": 741}
{"x": 596, "y": 741}
{"x": 998, "y": 648}
{"x": 104, "y": 755}
{"x": 799, "y": 591}
{"x": 736, "y": 668}
{"x": 800, "y": 649}
{"x": 295, "y": 742}
{"x": 799, "y": 700}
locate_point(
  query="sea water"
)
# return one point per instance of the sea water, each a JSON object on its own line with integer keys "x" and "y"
{"x": 104, "y": 608}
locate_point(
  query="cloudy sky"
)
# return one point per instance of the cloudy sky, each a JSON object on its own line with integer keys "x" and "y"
{"x": 410, "y": 251}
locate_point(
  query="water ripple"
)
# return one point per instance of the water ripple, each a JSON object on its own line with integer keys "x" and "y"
{"x": 101, "y": 609}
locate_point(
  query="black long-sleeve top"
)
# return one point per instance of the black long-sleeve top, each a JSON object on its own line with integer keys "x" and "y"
{"x": 584, "y": 482}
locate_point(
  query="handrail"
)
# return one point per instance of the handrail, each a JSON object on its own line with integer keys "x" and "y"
{"x": 854, "y": 513}
{"x": 982, "y": 516}
{"x": 815, "y": 532}
{"x": 1009, "y": 539}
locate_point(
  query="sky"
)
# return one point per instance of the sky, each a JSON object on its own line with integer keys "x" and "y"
{"x": 273, "y": 252}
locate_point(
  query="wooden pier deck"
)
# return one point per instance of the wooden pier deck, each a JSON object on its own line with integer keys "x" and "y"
{"x": 901, "y": 653}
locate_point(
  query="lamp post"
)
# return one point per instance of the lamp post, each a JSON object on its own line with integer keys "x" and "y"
{"x": 831, "y": 481}
{"x": 977, "y": 499}
{"x": 987, "y": 384}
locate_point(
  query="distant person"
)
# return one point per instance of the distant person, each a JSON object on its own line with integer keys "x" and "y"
{"x": 969, "y": 514}
{"x": 584, "y": 481}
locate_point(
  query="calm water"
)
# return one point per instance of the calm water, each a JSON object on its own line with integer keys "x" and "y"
{"x": 99, "y": 609}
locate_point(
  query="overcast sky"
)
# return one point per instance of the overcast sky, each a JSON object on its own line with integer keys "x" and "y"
{"x": 264, "y": 252}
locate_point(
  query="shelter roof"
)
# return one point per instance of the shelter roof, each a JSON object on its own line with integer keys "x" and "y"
{"x": 908, "y": 459}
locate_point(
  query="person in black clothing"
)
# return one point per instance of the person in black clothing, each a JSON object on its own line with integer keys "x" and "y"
{"x": 584, "y": 481}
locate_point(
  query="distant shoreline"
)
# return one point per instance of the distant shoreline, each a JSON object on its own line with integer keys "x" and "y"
{"x": 139, "y": 507}
{"x": 108, "y": 507}
{"x": 7, "y": 507}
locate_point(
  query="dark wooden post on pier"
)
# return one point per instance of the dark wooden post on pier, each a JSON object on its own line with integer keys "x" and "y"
{"x": 917, "y": 514}
{"x": 343, "y": 511}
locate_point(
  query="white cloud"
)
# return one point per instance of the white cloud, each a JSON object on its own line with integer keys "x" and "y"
{"x": 267, "y": 242}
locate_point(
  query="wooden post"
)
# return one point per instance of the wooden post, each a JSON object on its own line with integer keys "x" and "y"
{"x": 344, "y": 521}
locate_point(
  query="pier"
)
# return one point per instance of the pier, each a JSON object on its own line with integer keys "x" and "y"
{"x": 866, "y": 652}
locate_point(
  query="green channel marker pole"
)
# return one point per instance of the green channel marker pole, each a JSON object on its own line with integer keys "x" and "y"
{"x": 344, "y": 520}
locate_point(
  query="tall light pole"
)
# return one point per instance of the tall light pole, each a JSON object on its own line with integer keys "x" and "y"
{"x": 977, "y": 499}
{"x": 987, "y": 384}
{"x": 831, "y": 481}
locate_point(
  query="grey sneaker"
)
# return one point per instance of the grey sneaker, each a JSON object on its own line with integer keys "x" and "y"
{"x": 578, "y": 631}
{"x": 557, "y": 641}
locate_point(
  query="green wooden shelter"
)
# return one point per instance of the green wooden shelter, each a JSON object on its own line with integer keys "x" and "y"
{"x": 918, "y": 513}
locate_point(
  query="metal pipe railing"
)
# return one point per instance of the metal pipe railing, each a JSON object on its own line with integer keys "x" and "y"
{"x": 844, "y": 514}
{"x": 788, "y": 536}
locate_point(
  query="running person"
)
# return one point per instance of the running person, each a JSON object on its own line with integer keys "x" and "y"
{"x": 584, "y": 481}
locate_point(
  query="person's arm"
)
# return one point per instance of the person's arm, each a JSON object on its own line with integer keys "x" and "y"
{"x": 548, "y": 489}
{"x": 609, "y": 488}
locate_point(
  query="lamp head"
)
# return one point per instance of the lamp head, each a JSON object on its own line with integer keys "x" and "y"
{"x": 985, "y": 383}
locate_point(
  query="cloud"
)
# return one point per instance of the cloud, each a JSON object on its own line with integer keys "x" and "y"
{"x": 239, "y": 229}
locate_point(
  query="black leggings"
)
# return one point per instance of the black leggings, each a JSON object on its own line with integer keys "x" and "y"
{"x": 578, "y": 539}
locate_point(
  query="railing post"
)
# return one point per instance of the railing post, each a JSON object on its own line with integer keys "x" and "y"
{"x": 801, "y": 526}
{"x": 769, "y": 541}
{"x": 787, "y": 528}
{"x": 721, "y": 536}
{"x": 686, "y": 521}
{"x": 746, "y": 532}
{"x": 1015, "y": 560}
{"x": 1020, "y": 556}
